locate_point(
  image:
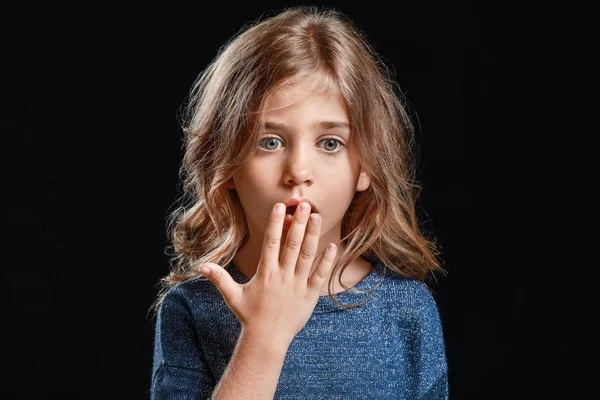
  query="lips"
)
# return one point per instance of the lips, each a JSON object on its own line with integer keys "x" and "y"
{"x": 293, "y": 203}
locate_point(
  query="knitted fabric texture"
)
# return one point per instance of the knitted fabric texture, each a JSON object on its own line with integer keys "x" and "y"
{"x": 391, "y": 347}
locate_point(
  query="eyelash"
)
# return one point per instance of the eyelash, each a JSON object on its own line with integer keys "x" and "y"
{"x": 331, "y": 153}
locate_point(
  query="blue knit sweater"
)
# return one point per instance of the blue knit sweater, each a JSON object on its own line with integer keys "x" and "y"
{"x": 391, "y": 347}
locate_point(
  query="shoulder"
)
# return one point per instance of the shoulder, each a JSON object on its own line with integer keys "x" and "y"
{"x": 186, "y": 297}
{"x": 415, "y": 310}
{"x": 409, "y": 296}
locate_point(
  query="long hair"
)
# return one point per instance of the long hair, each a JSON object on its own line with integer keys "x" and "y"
{"x": 221, "y": 125}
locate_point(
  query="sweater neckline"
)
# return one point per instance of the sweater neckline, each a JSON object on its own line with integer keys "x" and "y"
{"x": 356, "y": 294}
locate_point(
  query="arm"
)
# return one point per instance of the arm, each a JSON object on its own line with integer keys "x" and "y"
{"x": 180, "y": 369}
{"x": 254, "y": 369}
{"x": 433, "y": 368}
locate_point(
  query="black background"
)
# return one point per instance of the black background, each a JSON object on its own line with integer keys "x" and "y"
{"x": 90, "y": 107}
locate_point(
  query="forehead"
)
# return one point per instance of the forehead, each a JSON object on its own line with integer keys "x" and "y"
{"x": 298, "y": 111}
{"x": 314, "y": 87}
{"x": 311, "y": 103}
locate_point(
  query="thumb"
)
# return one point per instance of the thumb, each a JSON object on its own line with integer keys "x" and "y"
{"x": 222, "y": 280}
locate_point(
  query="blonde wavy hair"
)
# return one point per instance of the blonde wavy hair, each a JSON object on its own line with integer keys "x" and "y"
{"x": 221, "y": 126}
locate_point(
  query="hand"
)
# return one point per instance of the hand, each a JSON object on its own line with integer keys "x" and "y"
{"x": 280, "y": 298}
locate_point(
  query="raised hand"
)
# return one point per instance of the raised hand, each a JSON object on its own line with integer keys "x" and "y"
{"x": 280, "y": 298}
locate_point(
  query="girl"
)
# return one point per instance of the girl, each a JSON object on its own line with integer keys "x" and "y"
{"x": 298, "y": 171}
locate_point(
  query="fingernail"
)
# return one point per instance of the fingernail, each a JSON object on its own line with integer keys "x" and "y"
{"x": 304, "y": 207}
{"x": 279, "y": 208}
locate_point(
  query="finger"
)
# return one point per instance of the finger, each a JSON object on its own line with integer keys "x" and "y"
{"x": 321, "y": 273}
{"x": 270, "y": 251}
{"x": 230, "y": 289}
{"x": 294, "y": 238}
{"x": 309, "y": 247}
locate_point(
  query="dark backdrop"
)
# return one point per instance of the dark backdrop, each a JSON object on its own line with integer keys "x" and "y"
{"x": 90, "y": 107}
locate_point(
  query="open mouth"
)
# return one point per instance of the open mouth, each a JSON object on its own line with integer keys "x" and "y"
{"x": 289, "y": 211}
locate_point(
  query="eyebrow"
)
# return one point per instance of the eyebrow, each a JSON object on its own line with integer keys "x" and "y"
{"x": 326, "y": 125}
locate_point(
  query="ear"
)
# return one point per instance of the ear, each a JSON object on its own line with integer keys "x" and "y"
{"x": 363, "y": 181}
{"x": 230, "y": 184}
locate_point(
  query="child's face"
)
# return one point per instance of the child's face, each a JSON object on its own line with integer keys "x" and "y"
{"x": 297, "y": 161}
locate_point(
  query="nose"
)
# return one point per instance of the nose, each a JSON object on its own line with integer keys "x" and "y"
{"x": 298, "y": 167}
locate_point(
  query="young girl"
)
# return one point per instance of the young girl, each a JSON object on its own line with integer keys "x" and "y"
{"x": 299, "y": 268}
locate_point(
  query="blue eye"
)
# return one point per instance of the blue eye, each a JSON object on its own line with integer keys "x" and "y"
{"x": 268, "y": 140}
{"x": 271, "y": 140}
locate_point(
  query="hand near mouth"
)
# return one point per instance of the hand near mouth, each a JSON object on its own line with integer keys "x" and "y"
{"x": 279, "y": 299}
